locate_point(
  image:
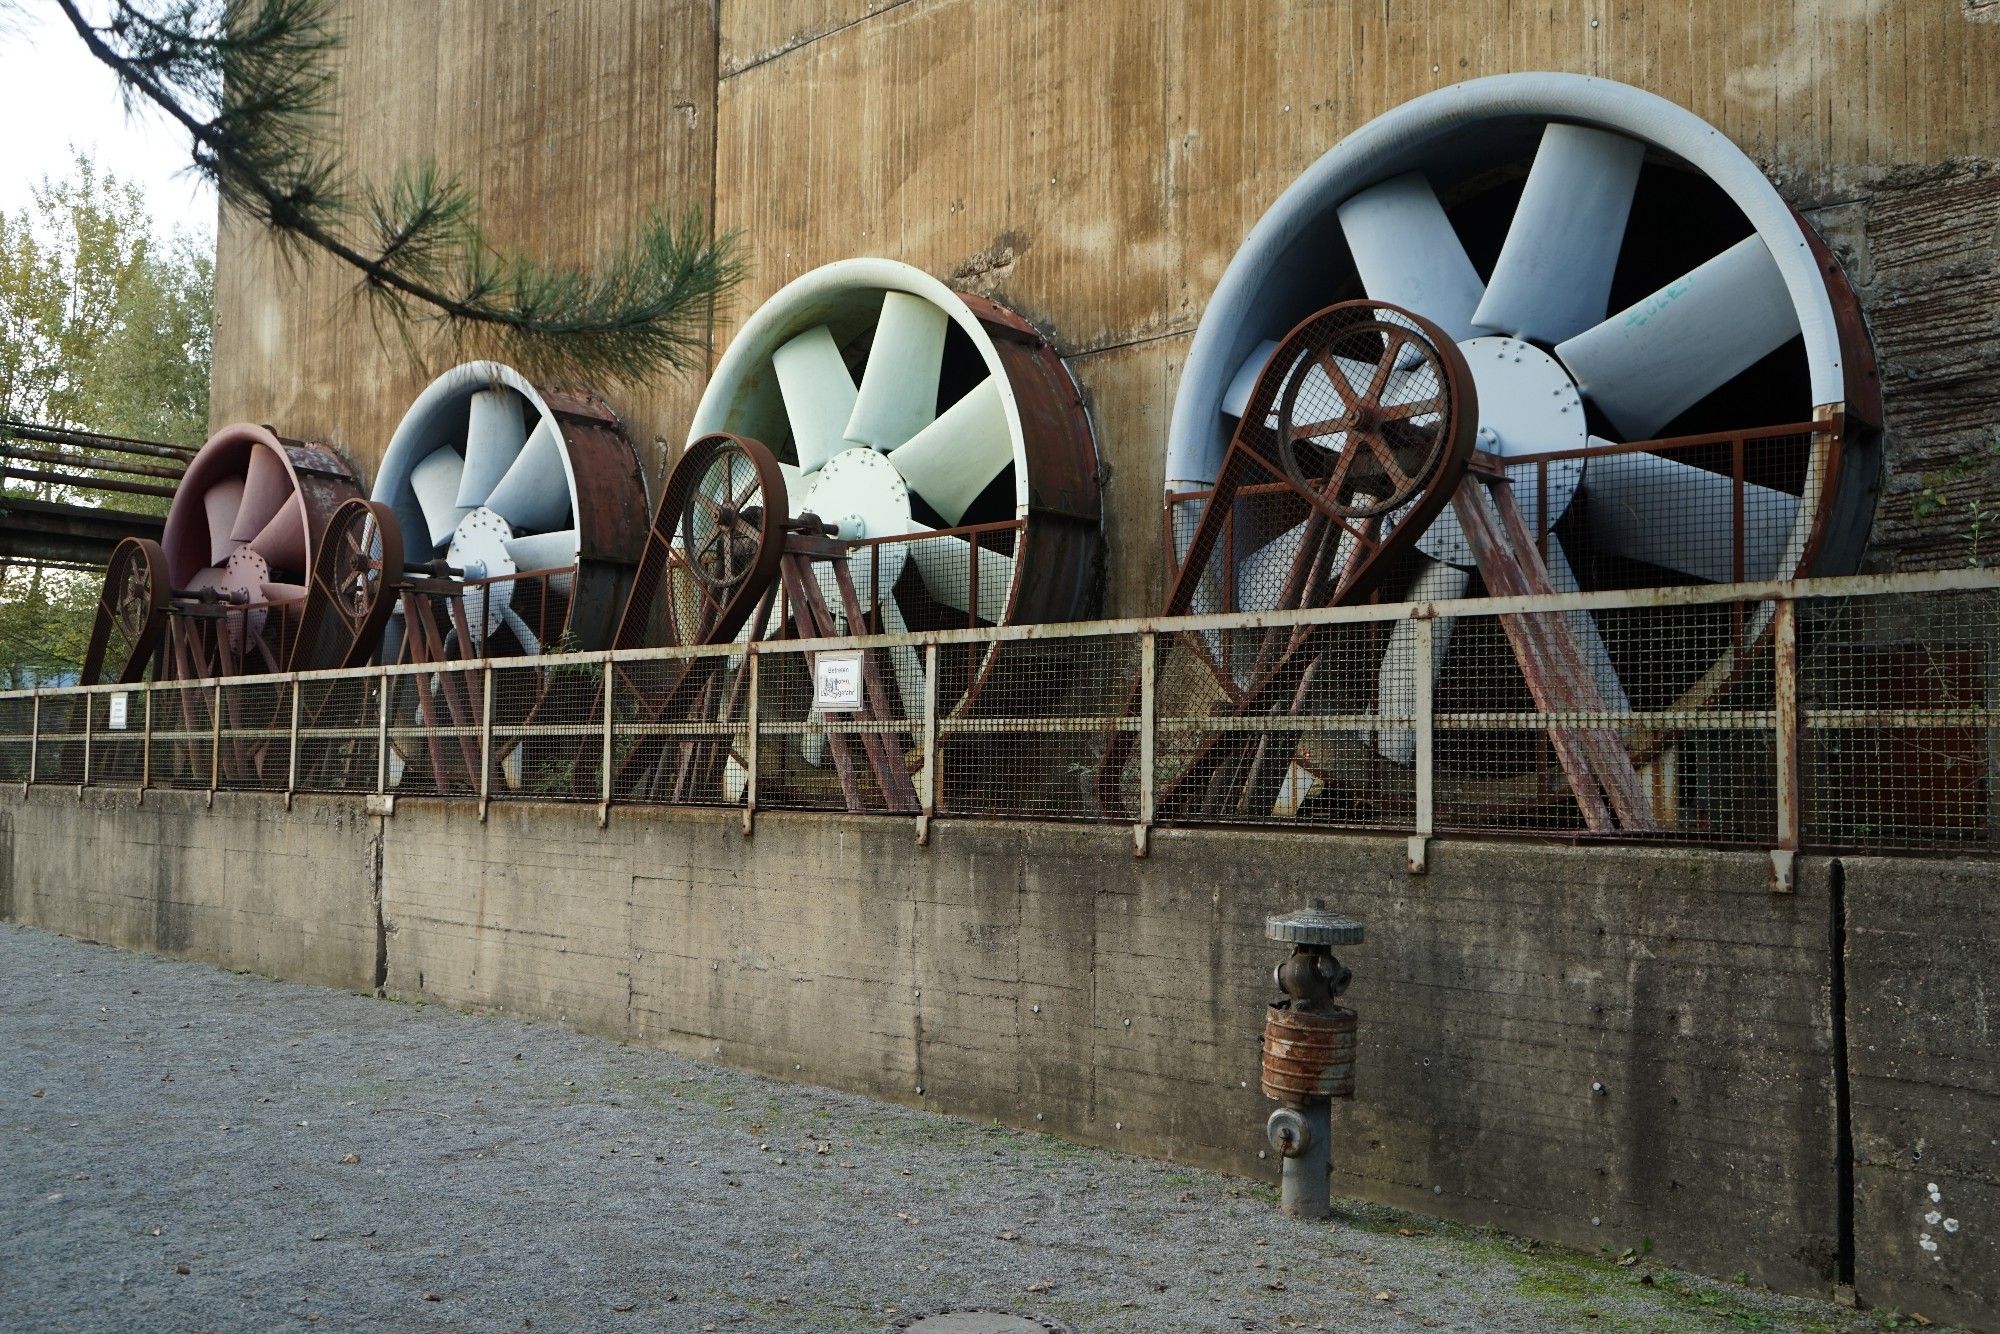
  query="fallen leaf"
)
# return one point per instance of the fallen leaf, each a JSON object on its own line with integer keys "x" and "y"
{"x": 1260, "y": 1264}
{"x": 1385, "y": 1296}
{"x": 180, "y": 1269}
{"x": 1276, "y": 1285}
{"x": 38, "y": 1093}
{"x": 350, "y": 1158}
{"x": 1038, "y": 1287}
{"x": 432, "y": 1297}
{"x": 1010, "y": 1236}
{"x": 623, "y": 1307}
{"x": 317, "y": 1236}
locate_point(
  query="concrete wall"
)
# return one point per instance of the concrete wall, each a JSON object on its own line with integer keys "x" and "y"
{"x": 1096, "y": 163}
{"x": 1586, "y": 1045}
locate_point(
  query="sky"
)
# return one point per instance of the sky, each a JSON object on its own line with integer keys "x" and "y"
{"x": 54, "y": 95}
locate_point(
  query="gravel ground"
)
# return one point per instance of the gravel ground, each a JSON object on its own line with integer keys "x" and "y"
{"x": 182, "y": 1148}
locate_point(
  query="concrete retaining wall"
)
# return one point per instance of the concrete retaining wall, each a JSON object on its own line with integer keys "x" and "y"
{"x": 1592, "y": 1046}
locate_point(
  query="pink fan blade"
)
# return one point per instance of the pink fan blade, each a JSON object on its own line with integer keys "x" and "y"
{"x": 221, "y": 502}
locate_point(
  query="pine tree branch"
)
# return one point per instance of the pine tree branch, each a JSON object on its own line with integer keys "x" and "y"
{"x": 642, "y": 308}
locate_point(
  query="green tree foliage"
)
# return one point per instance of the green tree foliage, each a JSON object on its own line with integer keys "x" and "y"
{"x": 104, "y": 327}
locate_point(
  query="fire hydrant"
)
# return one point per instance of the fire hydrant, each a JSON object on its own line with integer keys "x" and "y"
{"x": 1308, "y": 1052}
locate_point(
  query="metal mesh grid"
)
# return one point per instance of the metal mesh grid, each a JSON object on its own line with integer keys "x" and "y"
{"x": 1278, "y": 725}
{"x": 1900, "y": 743}
{"x": 255, "y": 750}
{"x": 1029, "y": 740}
{"x": 680, "y": 732}
{"x": 338, "y": 735}
{"x": 1896, "y": 704}
{"x": 547, "y": 732}
{"x": 183, "y": 738}
{"x": 59, "y": 756}
{"x": 118, "y": 738}
{"x": 864, "y": 760}
{"x": 434, "y": 730}
{"x": 17, "y": 731}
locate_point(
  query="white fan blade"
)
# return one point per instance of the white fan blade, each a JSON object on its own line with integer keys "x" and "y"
{"x": 1583, "y": 629}
{"x": 1680, "y": 517}
{"x": 812, "y": 743}
{"x": 1651, "y": 361}
{"x": 899, "y": 386}
{"x": 1396, "y": 683}
{"x": 266, "y": 488}
{"x": 282, "y": 541}
{"x": 522, "y": 634}
{"x": 1260, "y": 576}
{"x": 819, "y": 395}
{"x": 533, "y": 494}
{"x": 953, "y": 459}
{"x": 494, "y": 434}
{"x": 220, "y": 503}
{"x": 281, "y": 592}
{"x": 909, "y": 667}
{"x": 435, "y": 480}
{"x": 946, "y": 566}
{"x": 1407, "y": 253}
{"x": 1244, "y": 383}
{"x": 1553, "y": 277}
{"x": 548, "y": 551}
{"x": 392, "y": 635}
{"x": 735, "y": 778}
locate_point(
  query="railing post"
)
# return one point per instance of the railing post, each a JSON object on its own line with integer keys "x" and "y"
{"x": 88, "y": 726}
{"x": 146, "y": 745}
{"x": 34, "y": 743}
{"x": 1149, "y": 655}
{"x": 382, "y": 735}
{"x": 214, "y": 742}
{"x": 485, "y": 740}
{"x": 292, "y": 762}
{"x": 1424, "y": 663}
{"x": 604, "y": 791}
{"x": 927, "y": 796}
{"x": 751, "y": 664}
{"x": 1785, "y": 729}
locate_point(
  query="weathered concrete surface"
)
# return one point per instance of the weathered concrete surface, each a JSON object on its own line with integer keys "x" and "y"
{"x": 1923, "y": 1021}
{"x": 247, "y": 885}
{"x": 1040, "y": 975}
{"x": 1592, "y": 1046}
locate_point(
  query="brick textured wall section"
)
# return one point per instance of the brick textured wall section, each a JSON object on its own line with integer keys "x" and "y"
{"x": 1923, "y": 1024}
{"x": 1042, "y": 976}
{"x": 247, "y": 885}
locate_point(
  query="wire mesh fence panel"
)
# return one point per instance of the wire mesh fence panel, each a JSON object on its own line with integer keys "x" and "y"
{"x": 339, "y": 722}
{"x": 860, "y": 754}
{"x": 255, "y": 744}
{"x": 183, "y": 736}
{"x": 118, "y": 738}
{"x": 17, "y": 731}
{"x": 1043, "y": 717}
{"x": 434, "y": 732}
{"x": 548, "y": 731}
{"x": 59, "y": 753}
{"x": 681, "y": 730}
{"x": 1899, "y": 742}
{"x": 1285, "y": 725}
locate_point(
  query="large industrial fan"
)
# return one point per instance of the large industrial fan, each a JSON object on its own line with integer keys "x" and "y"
{"x": 531, "y": 503}
{"x": 1668, "y": 365}
{"x": 939, "y": 437}
{"x": 227, "y": 582}
{"x": 522, "y": 513}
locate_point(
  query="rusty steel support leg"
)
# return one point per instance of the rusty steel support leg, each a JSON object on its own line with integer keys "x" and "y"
{"x": 34, "y": 744}
{"x": 146, "y": 747}
{"x": 1149, "y": 720}
{"x": 1785, "y": 664}
{"x": 751, "y": 659}
{"x": 89, "y": 702}
{"x": 1424, "y": 822}
{"x": 292, "y": 760}
{"x": 927, "y": 795}
{"x": 486, "y": 739}
{"x": 215, "y": 742}
{"x": 604, "y": 792}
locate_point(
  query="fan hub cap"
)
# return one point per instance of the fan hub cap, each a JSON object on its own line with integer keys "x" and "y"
{"x": 860, "y": 492}
{"x": 1528, "y": 404}
{"x": 479, "y": 547}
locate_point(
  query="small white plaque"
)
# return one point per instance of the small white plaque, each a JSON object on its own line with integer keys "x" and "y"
{"x": 118, "y": 712}
{"x": 837, "y": 681}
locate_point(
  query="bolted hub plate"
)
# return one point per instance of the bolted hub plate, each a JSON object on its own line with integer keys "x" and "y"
{"x": 860, "y": 493}
{"x": 479, "y": 547}
{"x": 1527, "y": 405}
{"x": 1313, "y": 926}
